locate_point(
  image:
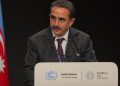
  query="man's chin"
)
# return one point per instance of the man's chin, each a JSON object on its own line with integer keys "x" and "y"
{"x": 57, "y": 32}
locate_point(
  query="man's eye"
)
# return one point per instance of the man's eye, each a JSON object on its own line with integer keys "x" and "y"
{"x": 52, "y": 17}
{"x": 61, "y": 19}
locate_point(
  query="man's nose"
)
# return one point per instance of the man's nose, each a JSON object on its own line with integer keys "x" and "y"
{"x": 56, "y": 22}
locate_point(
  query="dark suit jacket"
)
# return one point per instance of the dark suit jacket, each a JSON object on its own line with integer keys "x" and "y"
{"x": 41, "y": 48}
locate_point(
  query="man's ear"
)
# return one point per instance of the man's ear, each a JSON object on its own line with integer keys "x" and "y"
{"x": 72, "y": 20}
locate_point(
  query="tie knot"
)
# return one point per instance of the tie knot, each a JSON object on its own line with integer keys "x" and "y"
{"x": 60, "y": 40}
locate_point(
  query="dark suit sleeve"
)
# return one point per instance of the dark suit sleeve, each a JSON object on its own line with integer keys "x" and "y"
{"x": 30, "y": 61}
{"x": 88, "y": 51}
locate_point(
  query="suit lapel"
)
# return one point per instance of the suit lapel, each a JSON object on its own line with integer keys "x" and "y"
{"x": 49, "y": 41}
{"x": 70, "y": 49}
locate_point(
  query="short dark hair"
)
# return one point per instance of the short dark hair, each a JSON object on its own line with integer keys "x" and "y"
{"x": 65, "y": 4}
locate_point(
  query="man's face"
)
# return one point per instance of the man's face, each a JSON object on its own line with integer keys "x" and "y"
{"x": 60, "y": 20}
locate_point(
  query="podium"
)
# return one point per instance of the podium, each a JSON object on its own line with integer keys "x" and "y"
{"x": 76, "y": 74}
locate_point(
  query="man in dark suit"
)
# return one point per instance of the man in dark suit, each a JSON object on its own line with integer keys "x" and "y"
{"x": 45, "y": 46}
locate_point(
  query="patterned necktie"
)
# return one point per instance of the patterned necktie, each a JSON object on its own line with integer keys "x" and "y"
{"x": 60, "y": 50}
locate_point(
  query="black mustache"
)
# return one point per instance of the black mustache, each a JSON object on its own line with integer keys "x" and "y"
{"x": 56, "y": 27}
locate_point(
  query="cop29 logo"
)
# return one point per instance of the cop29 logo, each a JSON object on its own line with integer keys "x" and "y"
{"x": 51, "y": 75}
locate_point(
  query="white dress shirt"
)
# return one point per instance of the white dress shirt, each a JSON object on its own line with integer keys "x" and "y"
{"x": 64, "y": 42}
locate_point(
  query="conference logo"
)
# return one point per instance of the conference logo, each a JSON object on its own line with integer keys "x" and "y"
{"x": 51, "y": 75}
{"x": 90, "y": 75}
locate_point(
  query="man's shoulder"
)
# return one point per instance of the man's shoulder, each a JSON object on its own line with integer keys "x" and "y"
{"x": 79, "y": 33}
{"x": 39, "y": 34}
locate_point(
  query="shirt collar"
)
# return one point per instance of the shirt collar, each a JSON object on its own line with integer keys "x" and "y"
{"x": 65, "y": 36}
